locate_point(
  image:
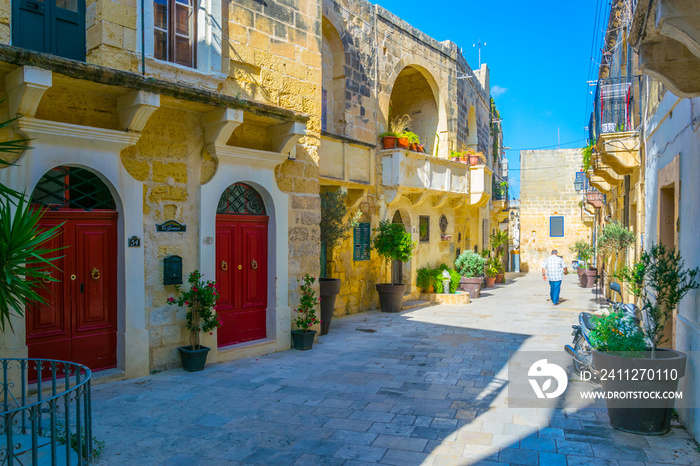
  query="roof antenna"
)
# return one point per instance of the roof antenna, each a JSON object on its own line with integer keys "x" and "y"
{"x": 479, "y": 44}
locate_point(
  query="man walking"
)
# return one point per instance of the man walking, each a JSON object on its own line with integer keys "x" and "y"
{"x": 554, "y": 269}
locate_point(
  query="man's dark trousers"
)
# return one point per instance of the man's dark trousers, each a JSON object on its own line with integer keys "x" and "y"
{"x": 554, "y": 289}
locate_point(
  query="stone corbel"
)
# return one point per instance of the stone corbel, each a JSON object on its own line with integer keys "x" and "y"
{"x": 440, "y": 201}
{"x": 285, "y": 137}
{"x": 219, "y": 125}
{"x": 458, "y": 202}
{"x": 418, "y": 199}
{"x": 392, "y": 196}
{"x": 353, "y": 197}
{"x": 135, "y": 108}
{"x": 25, "y": 87}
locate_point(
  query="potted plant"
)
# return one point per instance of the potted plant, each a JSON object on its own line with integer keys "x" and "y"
{"x": 396, "y": 127}
{"x": 582, "y": 249}
{"x": 660, "y": 280}
{"x": 497, "y": 240}
{"x": 492, "y": 268}
{"x": 303, "y": 336}
{"x": 392, "y": 242}
{"x": 423, "y": 280}
{"x": 470, "y": 267}
{"x": 200, "y": 300}
{"x": 413, "y": 140}
{"x": 612, "y": 239}
{"x": 333, "y": 230}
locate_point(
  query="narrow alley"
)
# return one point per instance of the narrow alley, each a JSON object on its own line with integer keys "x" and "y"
{"x": 426, "y": 386}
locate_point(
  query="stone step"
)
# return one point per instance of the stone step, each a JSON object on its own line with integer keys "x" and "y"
{"x": 414, "y": 304}
{"x": 446, "y": 298}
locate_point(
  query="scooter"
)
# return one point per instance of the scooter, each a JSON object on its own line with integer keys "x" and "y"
{"x": 580, "y": 348}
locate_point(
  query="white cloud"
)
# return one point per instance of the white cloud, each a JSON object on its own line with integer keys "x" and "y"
{"x": 498, "y": 91}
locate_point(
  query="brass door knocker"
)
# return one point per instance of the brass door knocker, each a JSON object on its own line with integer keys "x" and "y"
{"x": 224, "y": 265}
{"x": 47, "y": 279}
{"x": 95, "y": 274}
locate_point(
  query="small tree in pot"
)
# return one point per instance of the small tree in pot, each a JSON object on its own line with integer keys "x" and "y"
{"x": 200, "y": 300}
{"x": 303, "y": 336}
{"x": 661, "y": 281}
{"x": 583, "y": 251}
{"x": 333, "y": 231}
{"x": 470, "y": 266}
{"x": 392, "y": 242}
{"x": 613, "y": 238}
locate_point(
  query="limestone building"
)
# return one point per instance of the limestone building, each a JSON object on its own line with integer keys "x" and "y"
{"x": 207, "y": 140}
{"x": 550, "y": 205}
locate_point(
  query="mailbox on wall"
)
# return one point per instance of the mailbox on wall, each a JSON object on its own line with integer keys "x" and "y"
{"x": 172, "y": 270}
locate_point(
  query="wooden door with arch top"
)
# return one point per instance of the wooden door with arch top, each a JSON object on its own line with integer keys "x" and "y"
{"x": 241, "y": 272}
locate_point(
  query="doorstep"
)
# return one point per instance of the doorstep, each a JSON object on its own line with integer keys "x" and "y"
{"x": 445, "y": 298}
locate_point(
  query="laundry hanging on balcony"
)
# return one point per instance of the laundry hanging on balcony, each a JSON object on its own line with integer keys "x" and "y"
{"x": 615, "y": 107}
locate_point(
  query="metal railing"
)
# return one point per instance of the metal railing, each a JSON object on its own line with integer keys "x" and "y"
{"x": 616, "y": 107}
{"x": 48, "y": 421}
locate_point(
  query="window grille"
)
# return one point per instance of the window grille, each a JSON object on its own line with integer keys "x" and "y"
{"x": 72, "y": 188}
{"x": 241, "y": 199}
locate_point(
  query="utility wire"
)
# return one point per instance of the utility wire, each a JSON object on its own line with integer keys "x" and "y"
{"x": 547, "y": 147}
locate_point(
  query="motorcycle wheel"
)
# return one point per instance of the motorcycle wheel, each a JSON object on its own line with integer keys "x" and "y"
{"x": 581, "y": 346}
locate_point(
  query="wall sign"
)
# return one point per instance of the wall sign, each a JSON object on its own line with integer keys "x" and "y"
{"x": 134, "y": 242}
{"x": 171, "y": 225}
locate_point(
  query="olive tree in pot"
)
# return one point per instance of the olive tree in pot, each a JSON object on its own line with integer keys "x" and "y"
{"x": 392, "y": 242}
{"x": 470, "y": 266}
{"x": 583, "y": 251}
{"x": 613, "y": 238}
{"x": 622, "y": 350}
{"x": 200, "y": 300}
{"x": 333, "y": 231}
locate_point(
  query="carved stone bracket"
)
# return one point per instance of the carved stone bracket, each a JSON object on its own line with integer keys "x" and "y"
{"x": 135, "y": 108}
{"x": 219, "y": 125}
{"x": 419, "y": 198}
{"x": 458, "y": 202}
{"x": 392, "y": 196}
{"x": 440, "y": 201}
{"x": 25, "y": 87}
{"x": 353, "y": 197}
{"x": 285, "y": 137}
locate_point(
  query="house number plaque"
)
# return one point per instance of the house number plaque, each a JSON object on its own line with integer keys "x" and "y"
{"x": 171, "y": 225}
{"x": 134, "y": 242}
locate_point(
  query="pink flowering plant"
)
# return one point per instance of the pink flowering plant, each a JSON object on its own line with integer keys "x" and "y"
{"x": 306, "y": 314}
{"x": 200, "y": 300}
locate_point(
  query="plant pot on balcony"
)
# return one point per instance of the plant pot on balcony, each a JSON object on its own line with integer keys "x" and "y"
{"x": 413, "y": 146}
{"x": 329, "y": 289}
{"x": 403, "y": 143}
{"x": 421, "y": 148}
{"x": 587, "y": 279}
{"x": 389, "y": 142}
{"x": 646, "y": 416}
{"x": 473, "y": 160}
{"x": 390, "y": 296}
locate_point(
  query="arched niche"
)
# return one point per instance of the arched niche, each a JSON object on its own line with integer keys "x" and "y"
{"x": 333, "y": 78}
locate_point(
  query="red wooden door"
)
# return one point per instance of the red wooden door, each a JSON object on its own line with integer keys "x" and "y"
{"x": 79, "y": 321}
{"x": 241, "y": 258}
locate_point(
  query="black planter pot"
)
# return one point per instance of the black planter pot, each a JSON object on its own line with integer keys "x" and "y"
{"x": 390, "y": 296}
{"x": 587, "y": 278}
{"x": 641, "y": 416}
{"x": 330, "y": 287}
{"x": 303, "y": 340}
{"x": 193, "y": 360}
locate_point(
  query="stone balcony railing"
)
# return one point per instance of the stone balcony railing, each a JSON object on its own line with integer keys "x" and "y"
{"x": 415, "y": 173}
{"x": 480, "y": 185}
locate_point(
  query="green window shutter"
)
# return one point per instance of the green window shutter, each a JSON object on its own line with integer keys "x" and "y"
{"x": 361, "y": 234}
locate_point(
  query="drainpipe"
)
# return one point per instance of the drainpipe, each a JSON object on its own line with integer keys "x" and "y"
{"x": 143, "y": 38}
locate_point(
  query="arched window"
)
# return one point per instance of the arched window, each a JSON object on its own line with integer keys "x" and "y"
{"x": 413, "y": 95}
{"x": 241, "y": 199}
{"x": 472, "y": 132}
{"x": 64, "y": 188}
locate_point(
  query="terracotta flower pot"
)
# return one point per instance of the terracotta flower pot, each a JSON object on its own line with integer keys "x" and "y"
{"x": 421, "y": 148}
{"x": 500, "y": 278}
{"x": 413, "y": 146}
{"x": 389, "y": 142}
{"x": 403, "y": 143}
{"x": 490, "y": 282}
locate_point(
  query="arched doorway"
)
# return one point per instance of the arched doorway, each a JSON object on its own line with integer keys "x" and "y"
{"x": 241, "y": 258}
{"x": 79, "y": 320}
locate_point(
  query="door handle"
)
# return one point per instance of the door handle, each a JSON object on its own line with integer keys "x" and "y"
{"x": 73, "y": 277}
{"x": 254, "y": 264}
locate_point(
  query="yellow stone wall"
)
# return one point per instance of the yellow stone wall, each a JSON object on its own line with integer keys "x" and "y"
{"x": 547, "y": 189}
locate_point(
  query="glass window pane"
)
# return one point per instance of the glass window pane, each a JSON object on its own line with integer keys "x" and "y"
{"x": 160, "y": 45}
{"x": 185, "y": 2}
{"x": 183, "y": 51}
{"x": 71, "y": 5}
{"x": 182, "y": 20}
{"x": 160, "y": 14}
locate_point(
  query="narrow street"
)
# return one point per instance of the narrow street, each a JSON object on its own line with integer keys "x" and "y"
{"x": 426, "y": 386}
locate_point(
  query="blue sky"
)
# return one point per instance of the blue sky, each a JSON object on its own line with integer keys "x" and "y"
{"x": 538, "y": 53}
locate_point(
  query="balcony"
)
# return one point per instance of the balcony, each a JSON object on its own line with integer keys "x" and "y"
{"x": 479, "y": 193}
{"x": 419, "y": 176}
{"x": 666, "y": 35}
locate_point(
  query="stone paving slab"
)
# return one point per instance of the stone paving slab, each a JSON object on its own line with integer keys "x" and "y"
{"x": 426, "y": 388}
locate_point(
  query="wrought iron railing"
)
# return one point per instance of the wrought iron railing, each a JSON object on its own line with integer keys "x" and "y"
{"x": 48, "y": 421}
{"x": 616, "y": 107}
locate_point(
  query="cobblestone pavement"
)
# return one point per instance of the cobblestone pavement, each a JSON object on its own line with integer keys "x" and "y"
{"x": 422, "y": 387}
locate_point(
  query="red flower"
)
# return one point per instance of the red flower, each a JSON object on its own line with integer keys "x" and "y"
{"x": 194, "y": 289}
{"x": 187, "y": 303}
{"x": 171, "y": 300}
